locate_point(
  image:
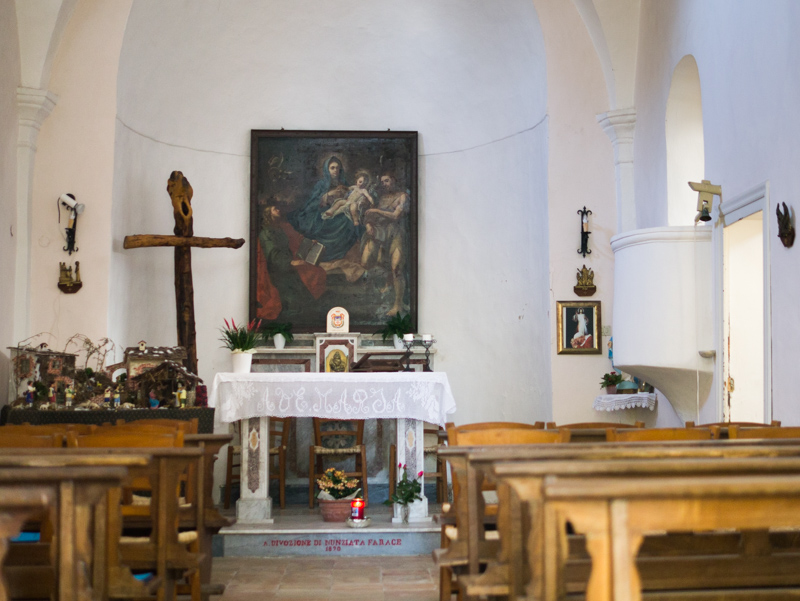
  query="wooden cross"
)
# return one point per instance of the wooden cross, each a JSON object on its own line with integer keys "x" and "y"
{"x": 180, "y": 191}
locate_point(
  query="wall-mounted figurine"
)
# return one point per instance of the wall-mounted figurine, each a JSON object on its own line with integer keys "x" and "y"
{"x": 66, "y": 282}
{"x": 785, "y": 225}
{"x": 584, "y": 249}
{"x": 585, "y": 286}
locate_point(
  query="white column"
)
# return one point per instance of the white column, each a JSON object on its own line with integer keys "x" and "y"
{"x": 33, "y": 106}
{"x": 254, "y": 505}
{"x": 619, "y": 126}
{"x": 411, "y": 452}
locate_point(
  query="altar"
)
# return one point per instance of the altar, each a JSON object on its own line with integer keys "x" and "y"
{"x": 411, "y": 398}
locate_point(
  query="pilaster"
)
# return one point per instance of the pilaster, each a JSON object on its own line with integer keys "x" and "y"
{"x": 619, "y": 126}
{"x": 33, "y": 107}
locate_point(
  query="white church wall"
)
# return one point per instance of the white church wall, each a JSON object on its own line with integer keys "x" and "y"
{"x": 580, "y": 172}
{"x": 747, "y": 63}
{"x": 469, "y": 76}
{"x": 75, "y": 154}
{"x": 9, "y": 80}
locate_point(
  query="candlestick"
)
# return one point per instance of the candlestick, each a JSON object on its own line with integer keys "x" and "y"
{"x": 408, "y": 337}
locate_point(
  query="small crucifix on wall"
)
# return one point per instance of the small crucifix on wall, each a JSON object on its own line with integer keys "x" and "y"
{"x": 180, "y": 192}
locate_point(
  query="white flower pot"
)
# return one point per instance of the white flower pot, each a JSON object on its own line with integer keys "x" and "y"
{"x": 242, "y": 360}
{"x": 280, "y": 341}
{"x": 398, "y": 342}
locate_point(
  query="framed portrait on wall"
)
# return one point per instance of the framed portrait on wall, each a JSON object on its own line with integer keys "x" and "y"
{"x": 578, "y": 326}
{"x": 333, "y": 222}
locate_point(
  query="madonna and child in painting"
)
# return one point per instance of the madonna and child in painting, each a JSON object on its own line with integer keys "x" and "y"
{"x": 322, "y": 237}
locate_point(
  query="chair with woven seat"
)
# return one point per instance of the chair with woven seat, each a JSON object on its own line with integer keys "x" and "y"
{"x": 440, "y": 475}
{"x": 337, "y": 438}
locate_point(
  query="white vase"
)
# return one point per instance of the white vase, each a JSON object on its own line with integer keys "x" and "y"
{"x": 280, "y": 341}
{"x": 242, "y": 360}
{"x": 398, "y": 342}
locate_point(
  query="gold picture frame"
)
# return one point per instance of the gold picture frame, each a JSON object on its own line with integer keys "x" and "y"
{"x": 579, "y": 327}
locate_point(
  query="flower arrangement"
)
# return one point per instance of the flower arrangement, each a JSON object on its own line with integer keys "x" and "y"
{"x": 407, "y": 491}
{"x": 240, "y": 338}
{"x": 335, "y": 484}
{"x": 611, "y": 379}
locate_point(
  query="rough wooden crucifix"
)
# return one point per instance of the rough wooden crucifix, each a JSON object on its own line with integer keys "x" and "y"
{"x": 180, "y": 191}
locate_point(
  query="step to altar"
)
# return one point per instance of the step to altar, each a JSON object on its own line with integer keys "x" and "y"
{"x": 301, "y": 531}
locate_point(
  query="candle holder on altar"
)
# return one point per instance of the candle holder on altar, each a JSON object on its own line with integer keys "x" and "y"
{"x": 427, "y": 342}
{"x": 408, "y": 342}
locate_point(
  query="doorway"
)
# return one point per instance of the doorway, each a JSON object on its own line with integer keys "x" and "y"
{"x": 745, "y": 382}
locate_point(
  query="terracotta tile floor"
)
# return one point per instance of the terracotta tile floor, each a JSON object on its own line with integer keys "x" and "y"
{"x": 413, "y": 578}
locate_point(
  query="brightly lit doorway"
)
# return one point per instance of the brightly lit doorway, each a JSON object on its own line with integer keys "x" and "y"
{"x": 745, "y": 383}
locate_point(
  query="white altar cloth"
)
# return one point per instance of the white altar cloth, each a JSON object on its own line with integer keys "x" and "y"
{"x": 415, "y": 395}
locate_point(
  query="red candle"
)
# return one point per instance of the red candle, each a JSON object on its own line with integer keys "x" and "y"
{"x": 357, "y": 509}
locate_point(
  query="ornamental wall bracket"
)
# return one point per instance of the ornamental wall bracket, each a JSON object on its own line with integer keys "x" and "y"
{"x": 585, "y": 286}
{"x": 785, "y": 225}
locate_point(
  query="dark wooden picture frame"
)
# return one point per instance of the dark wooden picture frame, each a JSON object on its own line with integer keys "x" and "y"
{"x": 579, "y": 327}
{"x": 323, "y": 236}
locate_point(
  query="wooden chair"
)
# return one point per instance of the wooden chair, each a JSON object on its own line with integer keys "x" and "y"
{"x": 660, "y": 434}
{"x": 233, "y": 464}
{"x": 736, "y": 431}
{"x": 172, "y": 555}
{"x": 440, "y": 475}
{"x": 324, "y": 441}
{"x": 280, "y": 428}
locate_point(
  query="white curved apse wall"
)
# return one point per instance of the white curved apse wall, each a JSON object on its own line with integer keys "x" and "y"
{"x": 468, "y": 75}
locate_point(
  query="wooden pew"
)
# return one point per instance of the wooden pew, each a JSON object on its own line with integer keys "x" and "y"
{"x": 72, "y": 492}
{"x": 209, "y": 445}
{"x": 163, "y": 551}
{"x": 25, "y": 562}
{"x": 616, "y": 512}
{"x": 471, "y": 544}
{"x": 475, "y": 463}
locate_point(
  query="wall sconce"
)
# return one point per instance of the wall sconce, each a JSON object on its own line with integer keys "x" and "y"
{"x": 705, "y": 198}
{"x": 584, "y": 249}
{"x": 75, "y": 208}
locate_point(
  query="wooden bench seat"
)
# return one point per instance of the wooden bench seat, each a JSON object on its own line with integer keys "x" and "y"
{"x": 73, "y": 493}
{"x": 615, "y": 513}
{"x": 161, "y": 550}
{"x": 527, "y": 481}
{"x": 475, "y": 464}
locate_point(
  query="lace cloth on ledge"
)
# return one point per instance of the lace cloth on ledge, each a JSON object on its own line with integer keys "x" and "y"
{"x": 424, "y": 396}
{"x": 618, "y": 402}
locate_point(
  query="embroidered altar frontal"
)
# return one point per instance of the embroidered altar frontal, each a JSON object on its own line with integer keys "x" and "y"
{"x": 424, "y": 396}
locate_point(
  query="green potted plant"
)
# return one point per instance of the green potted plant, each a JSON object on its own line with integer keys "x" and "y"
{"x": 281, "y": 333}
{"x": 406, "y": 492}
{"x": 610, "y": 381}
{"x": 241, "y": 341}
{"x": 396, "y": 327}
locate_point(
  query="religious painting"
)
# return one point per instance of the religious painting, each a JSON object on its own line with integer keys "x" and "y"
{"x": 578, "y": 326}
{"x": 333, "y": 223}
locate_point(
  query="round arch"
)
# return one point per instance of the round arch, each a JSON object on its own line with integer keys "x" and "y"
{"x": 684, "y": 135}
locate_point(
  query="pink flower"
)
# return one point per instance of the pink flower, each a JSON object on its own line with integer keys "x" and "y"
{"x": 420, "y": 474}
{"x": 400, "y": 465}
